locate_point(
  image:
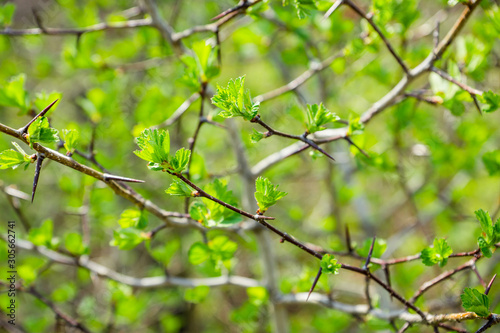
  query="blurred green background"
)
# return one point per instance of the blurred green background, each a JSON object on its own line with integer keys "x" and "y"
{"x": 118, "y": 82}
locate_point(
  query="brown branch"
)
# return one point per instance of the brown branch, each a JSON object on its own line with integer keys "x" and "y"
{"x": 77, "y": 31}
{"x": 369, "y": 19}
{"x": 450, "y": 78}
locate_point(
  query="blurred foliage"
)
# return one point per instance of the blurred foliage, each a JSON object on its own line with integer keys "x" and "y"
{"x": 113, "y": 85}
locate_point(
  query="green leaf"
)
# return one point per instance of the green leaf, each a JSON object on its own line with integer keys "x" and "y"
{"x": 438, "y": 254}
{"x": 486, "y": 223}
{"x": 266, "y": 193}
{"x": 257, "y": 296}
{"x": 219, "y": 215}
{"x": 200, "y": 66}
{"x": 355, "y": 125}
{"x": 13, "y": 93}
{"x": 491, "y": 161}
{"x": 70, "y": 138}
{"x": 317, "y": 116}
{"x": 256, "y": 136}
{"x": 235, "y": 101}
{"x": 491, "y": 100}
{"x": 128, "y": 238}
{"x": 40, "y": 131}
{"x": 6, "y": 14}
{"x": 133, "y": 218}
{"x": 329, "y": 264}
{"x": 179, "y": 188}
{"x": 378, "y": 249}
{"x": 42, "y": 236}
{"x": 12, "y": 159}
{"x": 180, "y": 160}
{"x": 197, "y": 294}
{"x": 222, "y": 251}
{"x": 219, "y": 251}
{"x": 165, "y": 253}
{"x": 198, "y": 253}
{"x": 484, "y": 246}
{"x": 74, "y": 243}
{"x": 475, "y": 301}
{"x": 199, "y": 212}
{"x": 304, "y": 7}
{"x": 154, "y": 146}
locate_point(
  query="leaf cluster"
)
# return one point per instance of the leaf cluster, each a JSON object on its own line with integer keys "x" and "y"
{"x": 235, "y": 101}
{"x": 437, "y": 254}
{"x": 491, "y": 232}
{"x": 266, "y": 193}
{"x": 219, "y": 251}
{"x": 155, "y": 148}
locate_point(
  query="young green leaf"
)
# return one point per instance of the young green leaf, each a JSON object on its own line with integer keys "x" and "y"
{"x": 317, "y": 116}
{"x": 70, "y": 138}
{"x": 43, "y": 235}
{"x": 180, "y": 160}
{"x": 437, "y": 254}
{"x": 475, "y": 301}
{"x": 133, "y": 218}
{"x": 491, "y": 100}
{"x": 355, "y": 125}
{"x": 304, "y": 7}
{"x": 198, "y": 253}
{"x": 6, "y": 13}
{"x": 128, "y": 238}
{"x": 40, "y": 131}
{"x": 217, "y": 214}
{"x": 13, "y": 93}
{"x": 486, "y": 223}
{"x": 219, "y": 251}
{"x": 378, "y": 249}
{"x": 74, "y": 243}
{"x": 154, "y": 146}
{"x": 491, "y": 161}
{"x": 329, "y": 264}
{"x": 256, "y": 136}
{"x": 266, "y": 193}
{"x": 201, "y": 65}
{"x": 179, "y": 188}
{"x": 484, "y": 246}
{"x": 197, "y": 294}
{"x": 491, "y": 232}
{"x": 199, "y": 212}
{"x": 12, "y": 159}
{"x": 235, "y": 101}
{"x": 222, "y": 250}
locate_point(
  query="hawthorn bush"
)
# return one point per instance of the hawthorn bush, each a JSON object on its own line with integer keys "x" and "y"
{"x": 295, "y": 166}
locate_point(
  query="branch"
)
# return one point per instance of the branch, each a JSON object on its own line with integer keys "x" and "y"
{"x": 77, "y": 31}
{"x": 147, "y": 282}
{"x": 362, "y": 309}
{"x": 118, "y": 188}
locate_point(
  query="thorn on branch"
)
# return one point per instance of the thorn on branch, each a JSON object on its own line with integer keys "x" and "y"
{"x": 487, "y": 290}
{"x": 108, "y": 176}
{"x": 348, "y": 240}
{"x": 24, "y": 130}
{"x": 370, "y": 253}
{"x": 348, "y": 139}
{"x": 387, "y": 277}
{"x": 316, "y": 279}
{"x": 39, "y": 160}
